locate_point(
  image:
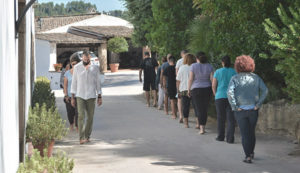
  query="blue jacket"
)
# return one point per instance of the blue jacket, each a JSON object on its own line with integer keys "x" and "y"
{"x": 246, "y": 89}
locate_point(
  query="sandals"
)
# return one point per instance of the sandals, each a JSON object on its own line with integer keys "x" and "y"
{"x": 202, "y": 133}
{"x": 248, "y": 160}
{"x": 88, "y": 140}
{"x": 82, "y": 141}
{"x": 181, "y": 120}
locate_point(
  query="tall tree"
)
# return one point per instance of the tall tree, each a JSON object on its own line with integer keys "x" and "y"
{"x": 171, "y": 19}
{"x": 74, "y": 7}
{"x": 237, "y": 29}
{"x": 140, "y": 15}
{"x": 285, "y": 41}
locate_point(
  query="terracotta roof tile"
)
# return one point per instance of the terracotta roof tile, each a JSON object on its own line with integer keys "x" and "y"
{"x": 67, "y": 38}
{"x": 48, "y": 23}
{"x": 106, "y": 31}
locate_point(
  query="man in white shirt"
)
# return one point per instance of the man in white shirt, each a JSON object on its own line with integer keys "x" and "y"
{"x": 86, "y": 87}
{"x": 178, "y": 65}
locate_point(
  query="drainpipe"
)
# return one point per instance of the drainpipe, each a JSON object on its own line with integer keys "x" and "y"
{"x": 21, "y": 35}
{"x": 21, "y": 17}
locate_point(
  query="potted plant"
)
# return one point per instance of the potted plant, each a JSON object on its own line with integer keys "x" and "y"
{"x": 44, "y": 127}
{"x": 58, "y": 163}
{"x": 115, "y": 46}
{"x": 57, "y": 67}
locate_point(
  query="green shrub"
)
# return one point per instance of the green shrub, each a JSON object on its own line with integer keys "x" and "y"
{"x": 44, "y": 125}
{"x": 42, "y": 93}
{"x": 275, "y": 93}
{"x": 117, "y": 45}
{"x": 286, "y": 47}
{"x": 59, "y": 163}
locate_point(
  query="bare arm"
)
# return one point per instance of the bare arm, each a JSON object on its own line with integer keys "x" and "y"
{"x": 191, "y": 79}
{"x": 74, "y": 87}
{"x": 214, "y": 85}
{"x": 211, "y": 76}
{"x": 164, "y": 81}
{"x": 161, "y": 78}
{"x": 74, "y": 83}
{"x": 177, "y": 84}
{"x": 65, "y": 86}
{"x": 140, "y": 75}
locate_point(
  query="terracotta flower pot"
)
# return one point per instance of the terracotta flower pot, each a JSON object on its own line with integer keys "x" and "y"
{"x": 114, "y": 67}
{"x": 41, "y": 148}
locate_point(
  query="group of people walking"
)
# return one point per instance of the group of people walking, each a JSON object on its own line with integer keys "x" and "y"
{"x": 238, "y": 93}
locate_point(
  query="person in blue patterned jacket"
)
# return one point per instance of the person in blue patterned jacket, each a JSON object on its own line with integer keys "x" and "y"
{"x": 246, "y": 93}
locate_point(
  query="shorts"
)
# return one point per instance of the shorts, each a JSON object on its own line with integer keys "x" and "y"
{"x": 172, "y": 93}
{"x": 148, "y": 85}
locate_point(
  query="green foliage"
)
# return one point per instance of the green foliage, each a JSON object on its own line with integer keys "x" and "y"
{"x": 286, "y": 47}
{"x": 201, "y": 35}
{"x": 37, "y": 164}
{"x": 117, "y": 45}
{"x": 42, "y": 93}
{"x": 118, "y": 13}
{"x": 140, "y": 15}
{"x": 202, "y": 39}
{"x": 171, "y": 19}
{"x": 71, "y": 8}
{"x": 274, "y": 93}
{"x": 44, "y": 125}
{"x": 236, "y": 28}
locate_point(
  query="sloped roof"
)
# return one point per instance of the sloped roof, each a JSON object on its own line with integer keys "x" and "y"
{"x": 89, "y": 28}
{"x": 48, "y": 23}
{"x": 106, "y": 31}
{"x": 67, "y": 38}
{"x": 97, "y": 20}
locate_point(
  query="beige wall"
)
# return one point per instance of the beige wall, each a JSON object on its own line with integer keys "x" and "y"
{"x": 102, "y": 54}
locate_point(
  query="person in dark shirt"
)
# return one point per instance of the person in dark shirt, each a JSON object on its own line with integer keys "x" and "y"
{"x": 149, "y": 65}
{"x": 169, "y": 81}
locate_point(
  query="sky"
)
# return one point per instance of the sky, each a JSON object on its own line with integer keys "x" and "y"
{"x": 102, "y": 5}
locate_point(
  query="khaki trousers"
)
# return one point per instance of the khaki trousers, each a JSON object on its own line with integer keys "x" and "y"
{"x": 86, "y": 110}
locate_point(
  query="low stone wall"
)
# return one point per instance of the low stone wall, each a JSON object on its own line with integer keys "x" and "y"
{"x": 280, "y": 118}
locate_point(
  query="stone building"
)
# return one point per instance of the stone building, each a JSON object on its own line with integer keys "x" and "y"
{"x": 60, "y": 36}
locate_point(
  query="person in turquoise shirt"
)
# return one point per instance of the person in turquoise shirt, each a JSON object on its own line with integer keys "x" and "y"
{"x": 219, "y": 86}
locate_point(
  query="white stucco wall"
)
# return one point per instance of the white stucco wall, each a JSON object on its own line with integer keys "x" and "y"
{"x": 45, "y": 58}
{"x": 42, "y": 53}
{"x": 9, "y": 122}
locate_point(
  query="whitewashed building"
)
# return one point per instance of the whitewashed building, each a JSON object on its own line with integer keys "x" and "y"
{"x": 16, "y": 76}
{"x": 59, "y": 36}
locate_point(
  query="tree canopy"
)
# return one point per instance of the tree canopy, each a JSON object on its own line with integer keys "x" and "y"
{"x": 229, "y": 27}
{"x": 158, "y": 23}
{"x": 71, "y": 8}
{"x": 285, "y": 43}
{"x": 141, "y": 16}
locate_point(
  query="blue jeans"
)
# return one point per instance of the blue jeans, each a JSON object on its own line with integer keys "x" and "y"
{"x": 247, "y": 120}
